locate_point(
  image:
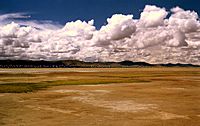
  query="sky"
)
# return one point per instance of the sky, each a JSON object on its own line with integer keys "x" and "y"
{"x": 63, "y": 11}
{"x": 153, "y": 31}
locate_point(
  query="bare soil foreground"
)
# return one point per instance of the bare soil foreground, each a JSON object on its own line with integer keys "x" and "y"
{"x": 100, "y": 97}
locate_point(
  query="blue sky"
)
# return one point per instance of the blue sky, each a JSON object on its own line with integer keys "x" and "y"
{"x": 63, "y": 11}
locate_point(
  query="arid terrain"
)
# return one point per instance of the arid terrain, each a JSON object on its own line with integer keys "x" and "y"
{"x": 100, "y": 97}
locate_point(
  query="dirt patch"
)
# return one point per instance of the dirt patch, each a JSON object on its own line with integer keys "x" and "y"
{"x": 83, "y": 92}
{"x": 180, "y": 89}
{"x": 116, "y": 106}
{"x": 90, "y": 97}
{"x": 166, "y": 116}
{"x": 2, "y": 95}
{"x": 47, "y": 108}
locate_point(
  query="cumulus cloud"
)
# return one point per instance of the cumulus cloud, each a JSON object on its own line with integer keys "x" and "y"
{"x": 153, "y": 38}
{"x": 119, "y": 26}
{"x": 186, "y": 21}
{"x": 152, "y": 16}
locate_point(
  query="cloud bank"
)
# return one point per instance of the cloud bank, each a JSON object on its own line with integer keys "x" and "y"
{"x": 156, "y": 37}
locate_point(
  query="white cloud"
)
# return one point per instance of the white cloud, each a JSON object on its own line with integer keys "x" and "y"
{"x": 119, "y": 26}
{"x": 42, "y": 25}
{"x": 186, "y": 21}
{"x": 10, "y": 16}
{"x": 152, "y": 38}
{"x": 178, "y": 39}
{"x": 152, "y": 16}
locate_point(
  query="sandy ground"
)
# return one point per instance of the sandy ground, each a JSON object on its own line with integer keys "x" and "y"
{"x": 157, "y": 103}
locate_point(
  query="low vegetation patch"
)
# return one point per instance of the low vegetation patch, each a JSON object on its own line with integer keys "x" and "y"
{"x": 30, "y": 87}
{"x": 16, "y": 82}
{"x": 21, "y": 87}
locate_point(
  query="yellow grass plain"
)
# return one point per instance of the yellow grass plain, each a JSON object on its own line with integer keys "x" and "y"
{"x": 100, "y": 97}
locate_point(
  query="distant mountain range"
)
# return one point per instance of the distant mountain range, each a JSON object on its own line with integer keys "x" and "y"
{"x": 81, "y": 64}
